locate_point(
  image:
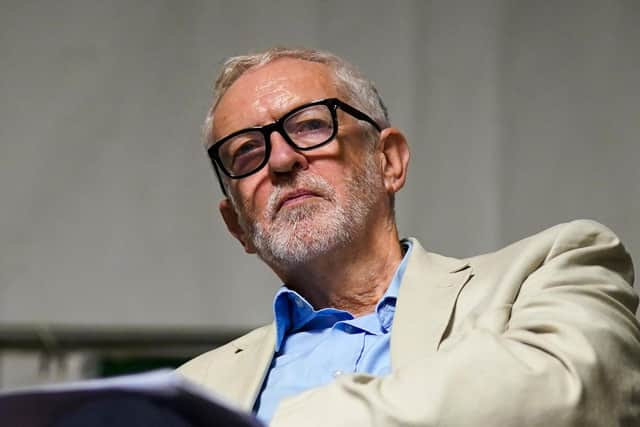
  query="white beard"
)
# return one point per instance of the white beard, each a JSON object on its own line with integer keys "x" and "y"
{"x": 298, "y": 234}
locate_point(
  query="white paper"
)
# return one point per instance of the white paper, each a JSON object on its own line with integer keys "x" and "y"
{"x": 41, "y": 406}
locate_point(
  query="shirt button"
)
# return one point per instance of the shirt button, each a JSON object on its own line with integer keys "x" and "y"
{"x": 337, "y": 373}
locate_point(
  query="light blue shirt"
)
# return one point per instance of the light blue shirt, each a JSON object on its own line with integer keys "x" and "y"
{"x": 313, "y": 347}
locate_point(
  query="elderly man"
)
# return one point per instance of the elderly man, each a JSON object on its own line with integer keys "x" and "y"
{"x": 373, "y": 330}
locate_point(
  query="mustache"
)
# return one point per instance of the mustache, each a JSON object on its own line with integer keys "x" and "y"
{"x": 312, "y": 183}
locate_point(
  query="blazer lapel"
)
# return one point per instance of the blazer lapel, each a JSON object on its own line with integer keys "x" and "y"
{"x": 248, "y": 367}
{"x": 427, "y": 297}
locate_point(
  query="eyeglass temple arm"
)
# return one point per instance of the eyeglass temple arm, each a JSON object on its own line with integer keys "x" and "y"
{"x": 359, "y": 115}
{"x": 215, "y": 168}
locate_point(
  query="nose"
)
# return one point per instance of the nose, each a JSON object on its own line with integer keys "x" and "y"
{"x": 284, "y": 158}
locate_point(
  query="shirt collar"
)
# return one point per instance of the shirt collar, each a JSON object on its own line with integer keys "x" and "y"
{"x": 292, "y": 311}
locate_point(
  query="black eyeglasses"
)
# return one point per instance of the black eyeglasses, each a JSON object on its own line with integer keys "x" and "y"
{"x": 306, "y": 127}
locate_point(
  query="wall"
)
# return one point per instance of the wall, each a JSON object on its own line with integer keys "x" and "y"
{"x": 520, "y": 115}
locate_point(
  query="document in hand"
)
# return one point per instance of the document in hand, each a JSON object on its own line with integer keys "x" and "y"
{"x": 47, "y": 405}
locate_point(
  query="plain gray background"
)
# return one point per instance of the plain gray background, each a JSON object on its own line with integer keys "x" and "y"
{"x": 520, "y": 115}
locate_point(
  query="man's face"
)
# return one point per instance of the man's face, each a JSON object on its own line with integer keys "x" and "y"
{"x": 301, "y": 205}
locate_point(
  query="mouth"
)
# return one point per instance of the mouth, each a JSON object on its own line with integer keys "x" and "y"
{"x": 295, "y": 197}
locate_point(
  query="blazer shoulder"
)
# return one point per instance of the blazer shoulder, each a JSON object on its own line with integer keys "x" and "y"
{"x": 553, "y": 241}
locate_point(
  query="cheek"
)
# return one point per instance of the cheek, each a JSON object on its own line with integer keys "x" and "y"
{"x": 253, "y": 194}
{"x": 337, "y": 176}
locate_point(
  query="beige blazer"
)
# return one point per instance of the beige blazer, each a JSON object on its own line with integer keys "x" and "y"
{"x": 540, "y": 333}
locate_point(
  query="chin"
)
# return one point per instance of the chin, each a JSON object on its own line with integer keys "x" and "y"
{"x": 302, "y": 241}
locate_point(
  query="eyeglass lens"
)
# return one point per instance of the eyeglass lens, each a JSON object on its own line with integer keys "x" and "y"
{"x": 306, "y": 128}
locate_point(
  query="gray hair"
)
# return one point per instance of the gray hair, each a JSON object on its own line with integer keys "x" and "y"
{"x": 352, "y": 84}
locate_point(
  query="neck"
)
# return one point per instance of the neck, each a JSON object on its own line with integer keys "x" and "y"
{"x": 351, "y": 278}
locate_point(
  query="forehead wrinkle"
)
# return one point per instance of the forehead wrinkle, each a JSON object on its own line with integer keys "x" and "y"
{"x": 263, "y": 104}
{"x": 266, "y": 93}
{"x": 272, "y": 100}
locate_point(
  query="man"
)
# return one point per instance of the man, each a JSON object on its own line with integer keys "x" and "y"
{"x": 373, "y": 330}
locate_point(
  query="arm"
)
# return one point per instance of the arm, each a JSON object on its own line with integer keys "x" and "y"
{"x": 569, "y": 355}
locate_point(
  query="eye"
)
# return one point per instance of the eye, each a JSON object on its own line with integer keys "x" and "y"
{"x": 247, "y": 147}
{"x": 248, "y": 153}
{"x": 311, "y": 126}
{"x": 243, "y": 153}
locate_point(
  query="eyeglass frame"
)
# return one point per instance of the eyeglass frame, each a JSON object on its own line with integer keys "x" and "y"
{"x": 278, "y": 126}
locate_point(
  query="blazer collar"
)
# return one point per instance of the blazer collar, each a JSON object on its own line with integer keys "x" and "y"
{"x": 428, "y": 293}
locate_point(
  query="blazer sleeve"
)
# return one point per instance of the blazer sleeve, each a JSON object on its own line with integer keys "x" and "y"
{"x": 569, "y": 355}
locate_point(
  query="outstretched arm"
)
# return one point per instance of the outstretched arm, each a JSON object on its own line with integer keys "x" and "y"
{"x": 568, "y": 354}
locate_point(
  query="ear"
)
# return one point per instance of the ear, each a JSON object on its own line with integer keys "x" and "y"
{"x": 230, "y": 217}
{"x": 395, "y": 159}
